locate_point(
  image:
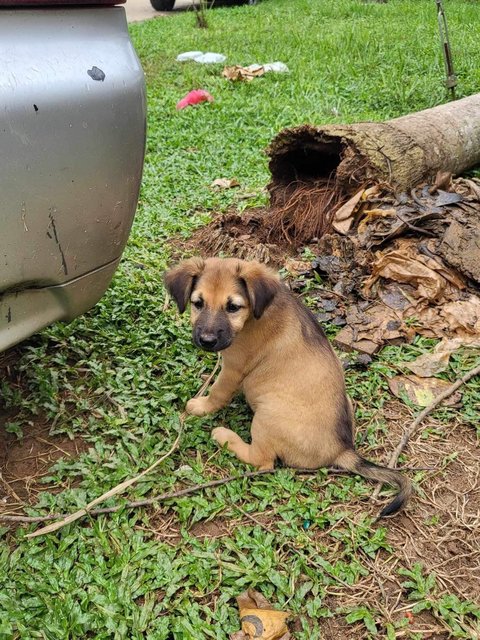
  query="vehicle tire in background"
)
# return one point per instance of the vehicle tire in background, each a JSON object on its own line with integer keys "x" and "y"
{"x": 162, "y": 5}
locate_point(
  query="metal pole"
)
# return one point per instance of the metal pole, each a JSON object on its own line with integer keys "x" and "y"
{"x": 451, "y": 82}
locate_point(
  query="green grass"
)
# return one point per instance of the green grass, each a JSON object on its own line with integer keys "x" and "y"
{"x": 113, "y": 577}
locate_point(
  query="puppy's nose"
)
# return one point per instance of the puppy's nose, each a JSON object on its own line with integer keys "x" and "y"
{"x": 208, "y": 340}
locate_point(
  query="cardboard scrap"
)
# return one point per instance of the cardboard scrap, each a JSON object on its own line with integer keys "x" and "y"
{"x": 259, "y": 620}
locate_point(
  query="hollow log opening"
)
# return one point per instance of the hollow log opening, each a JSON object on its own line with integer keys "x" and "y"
{"x": 304, "y": 193}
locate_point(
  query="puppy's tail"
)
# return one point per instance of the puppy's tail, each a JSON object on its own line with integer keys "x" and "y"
{"x": 351, "y": 461}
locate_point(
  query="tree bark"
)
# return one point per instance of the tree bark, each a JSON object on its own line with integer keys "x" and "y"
{"x": 402, "y": 152}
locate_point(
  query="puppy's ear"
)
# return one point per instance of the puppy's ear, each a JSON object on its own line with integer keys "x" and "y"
{"x": 262, "y": 284}
{"x": 181, "y": 279}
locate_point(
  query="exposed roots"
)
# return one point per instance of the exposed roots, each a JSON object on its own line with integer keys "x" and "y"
{"x": 244, "y": 236}
{"x": 302, "y": 210}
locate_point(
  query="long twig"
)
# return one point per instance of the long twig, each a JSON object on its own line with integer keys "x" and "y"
{"x": 163, "y": 497}
{"x": 407, "y": 434}
{"x": 153, "y": 500}
{"x": 120, "y": 488}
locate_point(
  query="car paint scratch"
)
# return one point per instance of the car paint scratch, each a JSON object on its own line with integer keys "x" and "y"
{"x": 57, "y": 241}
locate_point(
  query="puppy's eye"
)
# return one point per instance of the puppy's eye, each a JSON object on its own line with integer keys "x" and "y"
{"x": 198, "y": 304}
{"x": 233, "y": 308}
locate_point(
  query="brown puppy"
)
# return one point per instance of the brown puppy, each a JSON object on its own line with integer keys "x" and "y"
{"x": 277, "y": 354}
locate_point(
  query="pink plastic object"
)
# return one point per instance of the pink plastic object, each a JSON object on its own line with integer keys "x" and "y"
{"x": 194, "y": 97}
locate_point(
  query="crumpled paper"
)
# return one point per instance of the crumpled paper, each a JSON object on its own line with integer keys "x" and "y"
{"x": 259, "y": 621}
{"x": 237, "y": 72}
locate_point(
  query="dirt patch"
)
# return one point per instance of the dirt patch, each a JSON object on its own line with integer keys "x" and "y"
{"x": 245, "y": 236}
{"x": 166, "y": 527}
{"x": 423, "y": 624}
{"x": 23, "y": 462}
{"x": 441, "y": 526}
{"x": 211, "y": 529}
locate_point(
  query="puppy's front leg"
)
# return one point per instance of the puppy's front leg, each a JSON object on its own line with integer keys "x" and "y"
{"x": 221, "y": 393}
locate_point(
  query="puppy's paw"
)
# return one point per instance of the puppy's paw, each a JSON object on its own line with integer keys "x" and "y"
{"x": 199, "y": 406}
{"x": 221, "y": 435}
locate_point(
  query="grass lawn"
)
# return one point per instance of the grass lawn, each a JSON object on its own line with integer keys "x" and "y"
{"x": 113, "y": 382}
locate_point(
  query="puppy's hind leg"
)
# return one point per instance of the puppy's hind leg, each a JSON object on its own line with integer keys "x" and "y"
{"x": 248, "y": 453}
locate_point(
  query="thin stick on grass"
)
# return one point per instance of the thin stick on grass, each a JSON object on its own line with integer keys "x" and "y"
{"x": 120, "y": 488}
{"x": 407, "y": 434}
{"x": 163, "y": 497}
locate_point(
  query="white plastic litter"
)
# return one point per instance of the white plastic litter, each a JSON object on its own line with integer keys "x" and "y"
{"x": 202, "y": 58}
{"x": 276, "y": 67}
{"x": 211, "y": 58}
{"x": 189, "y": 55}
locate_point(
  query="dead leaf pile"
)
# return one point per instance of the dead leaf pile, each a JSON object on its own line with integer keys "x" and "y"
{"x": 412, "y": 258}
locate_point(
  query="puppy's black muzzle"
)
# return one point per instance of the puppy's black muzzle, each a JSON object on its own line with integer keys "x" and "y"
{"x": 214, "y": 337}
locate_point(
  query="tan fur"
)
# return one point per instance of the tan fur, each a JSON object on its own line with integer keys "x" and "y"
{"x": 284, "y": 365}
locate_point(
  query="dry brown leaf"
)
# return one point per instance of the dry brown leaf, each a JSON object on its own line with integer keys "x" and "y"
{"x": 429, "y": 364}
{"x": 259, "y": 621}
{"x": 345, "y": 216}
{"x": 225, "y": 183}
{"x": 463, "y": 316}
{"x": 443, "y": 180}
{"x": 421, "y": 391}
{"x": 296, "y": 267}
{"x": 373, "y": 214}
{"x": 252, "y": 599}
{"x": 367, "y": 331}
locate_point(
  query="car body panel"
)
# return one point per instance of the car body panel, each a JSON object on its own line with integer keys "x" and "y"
{"x": 72, "y": 127}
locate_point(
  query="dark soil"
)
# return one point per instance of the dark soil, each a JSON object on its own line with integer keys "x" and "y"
{"x": 24, "y": 461}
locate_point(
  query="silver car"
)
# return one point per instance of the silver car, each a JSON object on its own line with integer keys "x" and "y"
{"x": 72, "y": 132}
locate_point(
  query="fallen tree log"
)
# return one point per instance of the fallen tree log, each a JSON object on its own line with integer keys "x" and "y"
{"x": 317, "y": 169}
